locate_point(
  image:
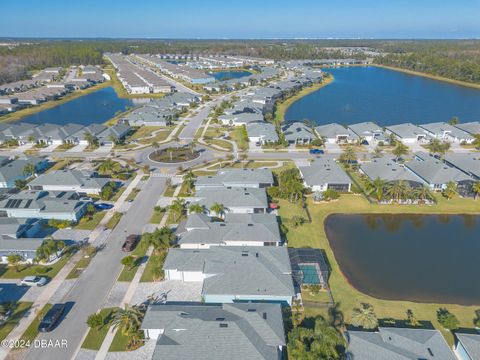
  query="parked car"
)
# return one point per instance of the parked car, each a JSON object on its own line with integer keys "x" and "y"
{"x": 364, "y": 142}
{"x": 316, "y": 151}
{"x": 34, "y": 281}
{"x": 50, "y": 319}
{"x": 130, "y": 242}
{"x": 103, "y": 206}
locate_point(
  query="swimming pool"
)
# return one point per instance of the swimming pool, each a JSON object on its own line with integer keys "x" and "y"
{"x": 310, "y": 275}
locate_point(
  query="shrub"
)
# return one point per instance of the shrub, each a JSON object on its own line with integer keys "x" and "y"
{"x": 330, "y": 194}
{"x": 447, "y": 319}
{"x": 95, "y": 321}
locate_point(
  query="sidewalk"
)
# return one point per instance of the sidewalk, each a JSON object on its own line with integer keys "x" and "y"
{"x": 58, "y": 280}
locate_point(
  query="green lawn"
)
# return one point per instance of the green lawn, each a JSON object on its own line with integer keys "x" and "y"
{"x": 32, "y": 330}
{"x": 237, "y": 135}
{"x": 19, "y": 312}
{"x": 89, "y": 224}
{"x": 7, "y": 272}
{"x": 313, "y": 235}
{"x": 139, "y": 253}
{"x": 118, "y": 194}
{"x": 160, "y": 136}
{"x": 155, "y": 261}
{"x": 114, "y": 220}
{"x": 79, "y": 266}
{"x": 133, "y": 194}
{"x": 222, "y": 143}
{"x": 169, "y": 190}
{"x": 157, "y": 216}
{"x": 95, "y": 337}
{"x": 120, "y": 342}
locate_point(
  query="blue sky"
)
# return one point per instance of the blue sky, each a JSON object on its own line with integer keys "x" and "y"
{"x": 242, "y": 19}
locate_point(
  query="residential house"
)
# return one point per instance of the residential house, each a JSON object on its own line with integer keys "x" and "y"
{"x": 336, "y": 133}
{"x": 407, "y": 133}
{"x": 368, "y": 131}
{"x": 240, "y": 119}
{"x": 82, "y": 182}
{"x": 298, "y": 133}
{"x": 324, "y": 173}
{"x": 447, "y": 132}
{"x": 473, "y": 128}
{"x": 398, "y": 344}
{"x": 467, "y": 346}
{"x": 436, "y": 174}
{"x": 44, "y": 205}
{"x": 236, "y": 200}
{"x": 234, "y": 273}
{"x": 236, "y": 230}
{"x": 13, "y": 170}
{"x": 114, "y": 133}
{"x": 251, "y": 331}
{"x": 26, "y": 248}
{"x": 469, "y": 163}
{"x": 262, "y": 132}
{"x": 388, "y": 170}
{"x": 236, "y": 178}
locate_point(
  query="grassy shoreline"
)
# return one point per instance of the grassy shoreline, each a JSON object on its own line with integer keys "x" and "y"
{"x": 429, "y": 76}
{"x": 313, "y": 235}
{"x": 282, "y": 107}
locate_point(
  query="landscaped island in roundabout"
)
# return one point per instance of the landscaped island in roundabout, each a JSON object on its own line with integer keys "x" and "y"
{"x": 174, "y": 155}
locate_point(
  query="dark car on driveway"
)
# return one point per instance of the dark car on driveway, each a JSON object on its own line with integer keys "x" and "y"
{"x": 103, "y": 206}
{"x": 51, "y": 318}
{"x": 130, "y": 243}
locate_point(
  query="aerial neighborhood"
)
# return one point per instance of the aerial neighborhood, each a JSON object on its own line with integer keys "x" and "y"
{"x": 203, "y": 200}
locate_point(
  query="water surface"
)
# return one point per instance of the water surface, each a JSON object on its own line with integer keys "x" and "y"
{"x": 96, "y": 107}
{"x": 421, "y": 258}
{"x": 387, "y": 97}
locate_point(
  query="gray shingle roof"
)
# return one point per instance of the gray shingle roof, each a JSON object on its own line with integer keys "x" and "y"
{"x": 234, "y": 177}
{"x": 248, "y": 331}
{"x": 324, "y": 170}
{"x": 262, "y": 129}
{"x": 69, "y": 178}
{"x": 406, "y": 130}
{"x": 467, "y": 162}
{"x": 367, "y": 128}
{"x": 438, "y": 129}
{"x": 471, "y": 127}
{"x": 388, "y": 170}
{"x": 435, "y": 171}
{"x": 471, "y": 344}
{"x": 232, "y": 197}
{"x": 297, "y": 130}
{"x": 334, "y": 130}
{"x": 262, "y": 270}
{"x": 13, "y": 245}
{"x": 14, "y": 169}
{"x": 398, "y": 344}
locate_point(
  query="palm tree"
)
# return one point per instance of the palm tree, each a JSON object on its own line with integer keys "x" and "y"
{"x": 348, "y": 156}
{"x": 397, "y": 190}
{"x": 364, "y": 316}
{"x": 109, "y": 167}
{"x": 128, "y": 319}
{"x": 476, "y": 142}
{"x": 113, "y": 139}
{"x": 377, "y": 152}
{"x": 14, "y": 260}
{"x": 450, "y": 190}
{"x": 476, "y": 189}
{"x": 423, "y": 193}
{"x": 91, "y": 140}
{"x": 218, "y": 209}
{"x": 31, "y": 138}
{"x": 193, "y": 145}
{"x": 29, "y": 169}
{"x": 196, "y": 208}
{"x": 399, "y": 150}
{"x": 189, "y": 179}
{"x": 177, "y": 207}
{"x": 376, "y": 187}
{"x": 155, "y": 145}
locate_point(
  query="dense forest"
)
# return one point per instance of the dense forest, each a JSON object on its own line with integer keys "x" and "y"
{"x": 456, "y": 59}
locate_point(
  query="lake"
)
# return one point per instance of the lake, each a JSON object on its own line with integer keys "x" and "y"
{"x": 227, "y": 75}
{"x": 420, "y": 258}
{"x": 386, "y": 97}
{"x": 96, "y": 107}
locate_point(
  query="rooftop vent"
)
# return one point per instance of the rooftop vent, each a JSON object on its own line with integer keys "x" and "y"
{"x": 430, "y": 352}
{"x": 264, "y": 316}
{"x": 252, "y": 310}
{"x": 223, "y": 325}
{"x": 220, "y": 319}
{"x": 249, "y": 224}
{"x": 244, "y": 254}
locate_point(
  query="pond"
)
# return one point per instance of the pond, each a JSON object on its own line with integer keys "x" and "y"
{"x": 227, "y": 75}
{"x": 420, "y": 258}
{"x": 96, "y": 107}
{"x": 386, "y": 97}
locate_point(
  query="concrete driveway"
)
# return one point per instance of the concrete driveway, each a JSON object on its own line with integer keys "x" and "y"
{"x": 171, "y": 290}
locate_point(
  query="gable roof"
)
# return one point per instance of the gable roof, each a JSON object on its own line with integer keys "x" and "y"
{"x": 332, "y": 131}
{"x": 69, "y": 178}
{"x": 248, "y": 331}
{"x": 232, "y": 197}
{"x": 435, "y": 171}
{"x": 366, "y": 128}
{"x": 406, "y": 130}
{"x": 324, "y": 170}
{"x": 398, "y": 344}
{"x": 467, "y": 162}
{"x": 262, "y": 129}
{"x": 471, "y": 344}
{"x": 388, "y": 170}
{"x": 252, "y": 270}
{"x": 232, "y": 177}
{"x": 297, "y": 130}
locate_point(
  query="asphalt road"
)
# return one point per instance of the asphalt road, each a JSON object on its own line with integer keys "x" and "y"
{"x": 93, "y": 286}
